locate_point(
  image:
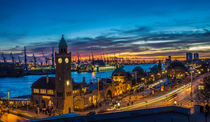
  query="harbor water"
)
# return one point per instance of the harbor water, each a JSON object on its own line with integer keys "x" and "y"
{"x": 21, "y": 86}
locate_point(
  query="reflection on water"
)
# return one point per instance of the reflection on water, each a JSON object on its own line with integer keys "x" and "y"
{"x": 21, "y": 86}
{"x": 93, "y": 74}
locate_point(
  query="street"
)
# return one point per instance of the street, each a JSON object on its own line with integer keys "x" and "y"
{"x": 179, "y": 96}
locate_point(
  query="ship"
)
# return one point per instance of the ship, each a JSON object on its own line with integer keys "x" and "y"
{"x": 11, "y": 69}
{"x": 8, "y": 69}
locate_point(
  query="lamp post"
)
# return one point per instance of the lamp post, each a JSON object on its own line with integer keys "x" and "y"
{"x": 8, "y": 95}
{"x": 98, "y": 90}
{"x": 191, "y": 85}
{"x": 191, "y": 72}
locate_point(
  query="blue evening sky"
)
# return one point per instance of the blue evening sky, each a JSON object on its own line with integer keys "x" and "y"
{"x": 130, "y": 27}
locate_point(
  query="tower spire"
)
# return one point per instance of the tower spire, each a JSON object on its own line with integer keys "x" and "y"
{"x": 62, "y": 42}
{"x": 63, "y": 45}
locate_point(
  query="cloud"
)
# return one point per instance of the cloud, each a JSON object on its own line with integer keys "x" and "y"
{"x": 136, "y": 30}
{"x": 11, "y": 37}
{"x": 147, "y": 44}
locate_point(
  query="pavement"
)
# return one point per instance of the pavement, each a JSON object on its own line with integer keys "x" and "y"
{"x": 20, "y": 115}
{"x": 7, "y": 117}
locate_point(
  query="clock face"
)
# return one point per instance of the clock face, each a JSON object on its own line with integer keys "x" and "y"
{"x": 66, "y": 60}
{"x": 60, "y": 60}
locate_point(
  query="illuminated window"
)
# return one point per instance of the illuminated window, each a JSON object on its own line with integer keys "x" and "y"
{"x": 36, "y": 90}
{"x": 43, "y": 91}
{"x": 50, "y": 92}
{"x": 11, "y": 102}
{"x": 201, "y": 87}
{"x": 75, "y": 91}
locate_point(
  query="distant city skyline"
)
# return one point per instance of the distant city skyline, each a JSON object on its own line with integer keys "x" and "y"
{"x": 145, "y": 28}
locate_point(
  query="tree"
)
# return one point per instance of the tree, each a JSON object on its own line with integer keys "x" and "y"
{"x": 204, "y": 67}
{"x": 203, "y": 93}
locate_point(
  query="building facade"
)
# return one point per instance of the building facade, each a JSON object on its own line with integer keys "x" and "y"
{"x": 196, "y": 57}
{"x": 189, "y": 57}
{"x": 63, "y": 95}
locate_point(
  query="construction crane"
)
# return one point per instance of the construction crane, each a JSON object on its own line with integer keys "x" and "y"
{"x": 25, "y": 58}
{"x": 19, "y": 59}
{"x": 45, "y": 57}
{"x": 34, "y": 60}
{"x": 13, "y": 58}
{"x": 78, "y": 56}
{"x": 53, "y": 60}
{"x": 4, "y": 58}
{"x": 89, "y": 58}
{"x": 92, "y": 58}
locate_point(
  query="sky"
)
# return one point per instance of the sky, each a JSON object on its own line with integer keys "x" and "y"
{"x": 144, "y": 28}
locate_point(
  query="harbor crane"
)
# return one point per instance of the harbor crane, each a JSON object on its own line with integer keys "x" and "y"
{"x": 13, "y": 58}
{"x": 4, "y": 58}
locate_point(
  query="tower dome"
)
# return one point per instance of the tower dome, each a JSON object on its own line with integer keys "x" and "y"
{"x": 62, "y": 42}
{"x": 63, "y": 45}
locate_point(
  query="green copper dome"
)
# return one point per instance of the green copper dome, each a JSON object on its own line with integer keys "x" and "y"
{"x": 118, "y": 70}
{"x": 62, "y": 42}
{"x": 138, "y": 69}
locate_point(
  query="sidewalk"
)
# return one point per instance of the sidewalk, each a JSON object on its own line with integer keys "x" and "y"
{"x": 27, "y": 114}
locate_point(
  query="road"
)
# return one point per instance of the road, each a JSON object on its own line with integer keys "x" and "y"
{"x": 181, "y": 95}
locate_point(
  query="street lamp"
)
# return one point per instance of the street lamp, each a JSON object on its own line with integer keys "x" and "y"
{"x": 98, "y": 97}
{"x": 8, "y": 96}
{"x": 175, "y": 102}
{"x": 191, "y": 84}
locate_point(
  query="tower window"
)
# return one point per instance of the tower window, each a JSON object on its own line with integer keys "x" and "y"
{"x": 68, "y": 93}
{"x": 67, "y": 82}
{"x": 50, "y": 92}
{"x": 60, "y": 94}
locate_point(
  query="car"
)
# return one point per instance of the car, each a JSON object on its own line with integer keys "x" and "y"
{"x": 91, "y": 113}
{"x": 110, "y": 108}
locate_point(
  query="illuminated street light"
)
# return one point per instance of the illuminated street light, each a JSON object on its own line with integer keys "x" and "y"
{"x": 201, "y": 87}
{"x": 175, "y": 102}
{"x": 67, "y": 83}
{"x": 118, "y": 104}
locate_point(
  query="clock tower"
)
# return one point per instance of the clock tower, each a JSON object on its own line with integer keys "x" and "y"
{"x": 63, "y": 79}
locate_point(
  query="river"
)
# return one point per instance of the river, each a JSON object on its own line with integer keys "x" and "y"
{"x": 21, "y": 86}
